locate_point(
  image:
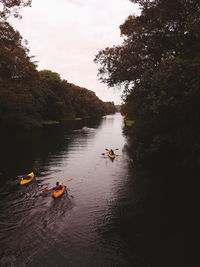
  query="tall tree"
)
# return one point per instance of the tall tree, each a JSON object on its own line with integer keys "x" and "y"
{"x": 15, "y": 63}
{"x": 17, "y": 79}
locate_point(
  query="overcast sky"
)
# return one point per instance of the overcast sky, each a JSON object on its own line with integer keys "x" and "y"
{"x": 65, "y": 35}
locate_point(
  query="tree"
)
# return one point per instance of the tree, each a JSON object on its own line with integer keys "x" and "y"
{"x": 53, "y": 95}
{"x": 17, "y": 79}
{"x": 15, "y": 63}
{"x": 11, "y": 7}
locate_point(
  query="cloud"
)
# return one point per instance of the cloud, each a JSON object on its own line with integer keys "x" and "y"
{"x": 65, "y": 35}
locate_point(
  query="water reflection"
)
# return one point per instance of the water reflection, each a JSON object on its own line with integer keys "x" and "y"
{"x": 36, "y": 150}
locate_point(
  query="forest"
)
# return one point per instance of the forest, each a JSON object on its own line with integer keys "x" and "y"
{"x": 30, "y": 98}
{"x": 158, "y": 64}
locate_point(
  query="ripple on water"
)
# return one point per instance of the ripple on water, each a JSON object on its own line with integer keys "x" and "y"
{"x": 29, "y": 221}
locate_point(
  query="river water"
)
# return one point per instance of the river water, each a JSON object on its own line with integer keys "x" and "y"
{"x": 107, "y": 217}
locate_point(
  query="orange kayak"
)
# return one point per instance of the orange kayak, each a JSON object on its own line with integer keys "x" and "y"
{"x": 58, "y": 193}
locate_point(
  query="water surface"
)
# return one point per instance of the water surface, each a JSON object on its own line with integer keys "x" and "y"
{"x": 37, "y": 230}
{"x": 112, "y": 214}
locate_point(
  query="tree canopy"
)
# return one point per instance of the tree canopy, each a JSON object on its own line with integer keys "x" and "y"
{"x": 12, "y": 7}
{"x": 159, "y": 64}
{"x": 28, "y": 97}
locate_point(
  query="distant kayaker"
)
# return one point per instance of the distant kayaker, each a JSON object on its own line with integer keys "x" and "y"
{"x": 111, "y": 152}
{"x": 57, "y": 187}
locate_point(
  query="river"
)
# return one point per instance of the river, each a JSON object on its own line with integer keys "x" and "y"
{"x": 109, "y": 216}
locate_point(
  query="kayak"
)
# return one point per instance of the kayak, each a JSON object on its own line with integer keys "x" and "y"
{"x": 112, "y": 156}
{"x": 25, "y": 179}
{"x": 58, "y": 193}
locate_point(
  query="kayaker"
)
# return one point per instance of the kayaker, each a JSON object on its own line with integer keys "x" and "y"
{"x": 57, "y": 187}
{"x": 111, "y": 152}
{"x": 27, "y": 177}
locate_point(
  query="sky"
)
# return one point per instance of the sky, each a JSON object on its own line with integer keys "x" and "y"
{"x": 65, "y": 35}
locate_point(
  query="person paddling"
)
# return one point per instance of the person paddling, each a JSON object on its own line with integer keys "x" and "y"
{"x": 111, "y": 152}
{"x": 25, "y": 177}
{"x": 57, "y": 187}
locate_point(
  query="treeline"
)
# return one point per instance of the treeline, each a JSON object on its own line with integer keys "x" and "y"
{"x": 29, "y": 97}
{"x": 159, "y": 64}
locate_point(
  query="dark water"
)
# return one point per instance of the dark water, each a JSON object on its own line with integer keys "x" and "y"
{"x": 111, "y": 215}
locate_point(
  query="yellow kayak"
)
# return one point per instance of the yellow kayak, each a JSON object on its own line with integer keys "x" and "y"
{"x": 25, "y": 179}
{"x": 112, "y": 156}
{"x": 58, "y": 193}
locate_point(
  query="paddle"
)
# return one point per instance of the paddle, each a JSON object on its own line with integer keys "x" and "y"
{"x": 109, "y": 150}
{"x": 113, "y": 149}
{"x": 46, "y": 190}
{"x": 70, "y": 179}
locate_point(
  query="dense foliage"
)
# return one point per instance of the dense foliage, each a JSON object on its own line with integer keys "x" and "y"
{"x": 159, "y": 64}
{"x": 11, "y": 7}
{"x": 29, "y": 97}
